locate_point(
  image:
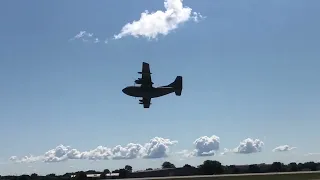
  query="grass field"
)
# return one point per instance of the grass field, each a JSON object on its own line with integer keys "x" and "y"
{"x": 274, "y": 176}
{"x": 271, "y": 177}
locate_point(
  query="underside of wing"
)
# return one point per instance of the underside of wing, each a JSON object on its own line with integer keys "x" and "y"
{"x": 145, "y": 79}
{"x": 146, "y": 102}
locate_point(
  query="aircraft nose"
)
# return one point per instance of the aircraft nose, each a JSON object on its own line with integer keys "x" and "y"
{"x": 125, "y": 90}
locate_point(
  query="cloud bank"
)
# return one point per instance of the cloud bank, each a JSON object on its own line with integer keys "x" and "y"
{"x": 156, "y": 148}
{"x": 283, "y": 148}
{"x": 151, "y": 25}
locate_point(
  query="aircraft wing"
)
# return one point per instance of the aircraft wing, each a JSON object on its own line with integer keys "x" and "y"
{"x": 146, "y": 102}
{"x": 145, "y": 75}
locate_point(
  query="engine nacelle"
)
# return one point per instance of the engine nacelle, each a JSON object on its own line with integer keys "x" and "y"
{"x": 138, "y": 81}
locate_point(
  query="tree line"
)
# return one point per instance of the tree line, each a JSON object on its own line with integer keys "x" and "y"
{"x": 208, "y": 167}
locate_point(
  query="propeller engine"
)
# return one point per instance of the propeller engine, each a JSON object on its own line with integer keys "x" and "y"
{"x": 138, "y": 81}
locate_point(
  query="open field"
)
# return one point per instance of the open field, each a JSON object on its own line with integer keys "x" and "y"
{"x": 307, "y": 175}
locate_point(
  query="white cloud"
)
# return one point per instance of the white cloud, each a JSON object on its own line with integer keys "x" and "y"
{"x": 246, "y": 146}
{"x": 151, "y": 25}
{"x": 249, "y": 145}
{"x": 85, "y": 37}
{"x": 99, "y": 153}
{"x": 204, "y": 146}
{"x": 25, "y": 159}
{"x": 156, "y": 148}
{"x": 185, "y": 153}
{"x": 312, "y": 154}
{"x": 96, "y": 40}
{"x": 209, "y": 146}
{"x": 283, "y": 148}
{"x": 131, "y": 151}
{"x": 226, "y": 151}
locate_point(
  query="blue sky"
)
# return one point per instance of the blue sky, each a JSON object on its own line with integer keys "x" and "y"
{"x": 250, "y": 73}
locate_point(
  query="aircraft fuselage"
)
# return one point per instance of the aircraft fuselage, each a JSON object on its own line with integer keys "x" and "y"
{"x": 152, "y": 92}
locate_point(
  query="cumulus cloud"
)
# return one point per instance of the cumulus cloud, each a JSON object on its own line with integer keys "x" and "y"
{"x": 131, "y": 151}
{"x": 247, "y": 146}
{"x": 204, "y": 146}
{"x": 85, "y": 37}
{"x": 209, "y": 146}
{"x": 156, "y": 148}
{"x": 25, "y": 159}
{"x": 151, "y": 25}
{"x": 283, "y": 148}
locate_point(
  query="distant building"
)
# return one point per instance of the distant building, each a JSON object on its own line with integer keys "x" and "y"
{"x": 96, "y": 176}
{"x": 165, "y": 172}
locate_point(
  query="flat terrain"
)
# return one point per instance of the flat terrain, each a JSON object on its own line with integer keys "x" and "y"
{"x": 307, "y": 175}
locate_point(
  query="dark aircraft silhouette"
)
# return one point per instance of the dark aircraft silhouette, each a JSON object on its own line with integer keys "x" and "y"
{"x": 146, "y": 90}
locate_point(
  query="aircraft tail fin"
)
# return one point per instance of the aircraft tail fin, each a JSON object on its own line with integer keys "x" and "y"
{"x": 177, "y": 85}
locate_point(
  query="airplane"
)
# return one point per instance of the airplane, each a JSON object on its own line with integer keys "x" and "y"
{"x": 146, "y": 91}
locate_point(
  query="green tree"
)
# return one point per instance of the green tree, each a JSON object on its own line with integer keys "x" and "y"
{"x": 311, "y": 165}
{"x": 91, "y": 172}
{"x": 232, "y": 169}
{"x": 211, "y": 167}
{"x": 103, "y": 175}
{"x": 300, "y": 166}
{"x": 81, "y": 175}
{"x": 24, "y": 177}
{"x": 51, "y": 175}
{"x": 107, "y": 171}
{"x": 128, "y": 168}
{"x": 123, "y": 173}
{"x": 116, "y": 171}
{"x": 167, "y": 165}
{"x": 293, "y": 166}
{"x": 276, "y": 167}
{"x": 67, "y": 175}
{"x": 253, "y": 168}
{"x": 34, "y": 176}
